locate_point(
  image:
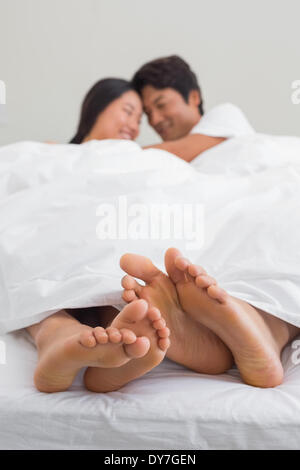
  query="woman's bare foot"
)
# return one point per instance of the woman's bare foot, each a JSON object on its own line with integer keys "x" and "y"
{"x": 63, "y": 351}
{"x": 153, "y": 326}
{"x": 242, "y": 327}
{"x": 193, "y": 345}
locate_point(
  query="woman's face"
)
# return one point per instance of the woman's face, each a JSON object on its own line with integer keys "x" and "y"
{"x": 119, "y": 120}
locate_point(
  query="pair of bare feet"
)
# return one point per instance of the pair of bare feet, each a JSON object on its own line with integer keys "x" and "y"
{"x": 210, "y": 330}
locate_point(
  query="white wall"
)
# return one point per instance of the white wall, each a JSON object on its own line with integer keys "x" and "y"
{"x": 52, "y": 51}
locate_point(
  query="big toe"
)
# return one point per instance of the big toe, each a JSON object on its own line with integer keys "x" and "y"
{"x": 139, "y": 266}
{"x": 131, "y": 313}
{"x": 175, "y": 274}
{"x": 139, "y": 348}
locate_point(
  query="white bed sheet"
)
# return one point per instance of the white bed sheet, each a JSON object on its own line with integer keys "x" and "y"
{"x": 171, "y": 407}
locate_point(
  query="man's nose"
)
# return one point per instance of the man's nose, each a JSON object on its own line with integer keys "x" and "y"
{"x": 155, "y": 118}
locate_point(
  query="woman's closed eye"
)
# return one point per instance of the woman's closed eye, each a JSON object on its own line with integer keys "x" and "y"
{"x": 128, "y": 111}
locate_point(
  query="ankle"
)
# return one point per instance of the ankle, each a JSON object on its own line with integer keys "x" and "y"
{"x": 101, "y": 380}
{"x": 278, "y": 328}
{"x": 52, "y": 326}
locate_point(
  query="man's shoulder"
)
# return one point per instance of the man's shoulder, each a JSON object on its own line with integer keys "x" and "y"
{"x": 223, "y": 120}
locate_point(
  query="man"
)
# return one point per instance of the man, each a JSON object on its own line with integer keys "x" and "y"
{"x": 173, "y": 102}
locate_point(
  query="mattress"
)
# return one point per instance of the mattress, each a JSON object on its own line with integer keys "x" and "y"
{"x": 170, "y": 407}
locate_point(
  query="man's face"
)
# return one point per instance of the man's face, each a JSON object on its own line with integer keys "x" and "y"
{"x": 168, "y": 113}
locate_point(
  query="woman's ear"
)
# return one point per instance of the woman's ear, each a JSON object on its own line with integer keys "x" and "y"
{"x": 194, "y": 98}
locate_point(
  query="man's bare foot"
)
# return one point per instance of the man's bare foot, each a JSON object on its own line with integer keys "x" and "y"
{"x": 241, "y": 326}
{"x": 193, "y": 345}
{"x": 153, "y": 326}
{"x": 64, "y": 351}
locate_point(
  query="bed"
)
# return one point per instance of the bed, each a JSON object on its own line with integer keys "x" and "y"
{"x": 170, "y": 407}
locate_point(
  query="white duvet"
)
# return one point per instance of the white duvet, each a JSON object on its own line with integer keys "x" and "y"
{"x": 52, "y": 198}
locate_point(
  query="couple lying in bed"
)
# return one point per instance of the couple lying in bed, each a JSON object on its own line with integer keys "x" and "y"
{"x": 183, "y": 314}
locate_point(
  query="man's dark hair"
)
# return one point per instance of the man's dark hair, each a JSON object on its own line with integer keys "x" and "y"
{"x": 168, "y": 72}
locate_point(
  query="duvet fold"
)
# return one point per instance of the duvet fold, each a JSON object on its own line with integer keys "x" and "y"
{"x": 69, "y": 212}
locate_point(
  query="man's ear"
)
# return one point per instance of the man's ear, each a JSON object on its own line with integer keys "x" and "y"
{"x": 194, "y": 98}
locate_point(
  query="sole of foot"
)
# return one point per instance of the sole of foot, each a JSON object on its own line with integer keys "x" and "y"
{"x": 153, "y": 327}
{"x": 65, "y": 348}
{"x": 193, "y": 345}
{"x": 237, "y": 323}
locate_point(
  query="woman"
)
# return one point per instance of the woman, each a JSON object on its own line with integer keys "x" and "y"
{"x": 112, "y": 109}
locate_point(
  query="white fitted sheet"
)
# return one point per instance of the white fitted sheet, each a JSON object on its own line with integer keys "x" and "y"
{"x": 171, "y": 407}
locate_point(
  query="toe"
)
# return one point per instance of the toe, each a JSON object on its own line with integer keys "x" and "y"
{"x": 153, "y": 314}
{"x": 87, "y": 339}
{"x": 135, "y": 311}
{"x": 195, "y": 271}
{"x": 164, "y": 343}
{"x": 139, "y": 348}
{"x": 174, "y": 273}
{"x": 204, "y": 281}
{"x": 129, "y": 337}
{"x": 217, "y": 293}
{"x": 163, "y": 332}
{"x": 139, "y": 267}
{"x": 100, "y": 335}
{"x": 129, "y": 283}
{"x": 114, "y": 335}
{"x": 182, "y": 263}
{"x": 129, "y": 295}
{"x": 159, "y": 324}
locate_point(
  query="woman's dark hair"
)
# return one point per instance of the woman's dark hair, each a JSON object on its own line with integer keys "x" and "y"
{"x": 168, "y": 72}
{"x": 96, "y": 100}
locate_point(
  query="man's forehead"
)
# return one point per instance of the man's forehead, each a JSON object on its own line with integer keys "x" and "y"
{"x": 151, "y": 95}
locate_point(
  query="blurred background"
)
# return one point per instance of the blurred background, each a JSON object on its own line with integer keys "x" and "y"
{"x": 53, "y": 51}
